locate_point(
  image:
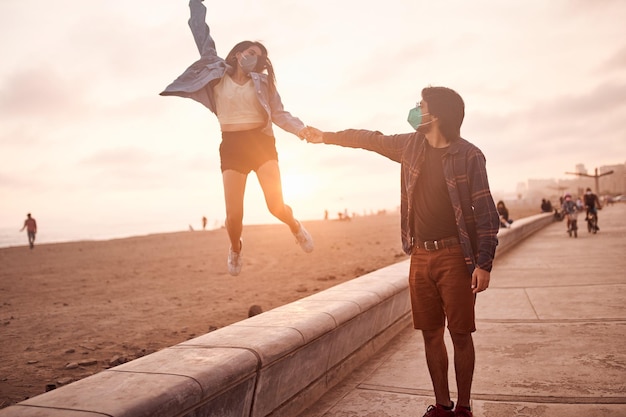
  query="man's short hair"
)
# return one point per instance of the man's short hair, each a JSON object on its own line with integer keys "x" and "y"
{"x": 447, "y": 105}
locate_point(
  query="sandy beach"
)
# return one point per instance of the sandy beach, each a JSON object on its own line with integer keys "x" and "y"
{"x": 70, "y": 310}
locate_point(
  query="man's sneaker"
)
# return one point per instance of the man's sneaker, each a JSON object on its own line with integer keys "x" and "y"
{"x": 304, "y": 239}
{"x": 462, "y": 412}
{"x": 438, "y": 411}
{"x": 235, "y": 260}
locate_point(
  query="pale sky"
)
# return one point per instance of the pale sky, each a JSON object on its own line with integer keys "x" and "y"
{"x": 86, "y": 141}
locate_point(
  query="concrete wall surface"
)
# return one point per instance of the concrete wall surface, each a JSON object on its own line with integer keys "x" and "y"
{"x": 274, "y": 364}
{"x": 520, "y": 230}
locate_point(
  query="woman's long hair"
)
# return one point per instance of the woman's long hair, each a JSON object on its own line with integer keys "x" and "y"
{"x": 263, "y": 64}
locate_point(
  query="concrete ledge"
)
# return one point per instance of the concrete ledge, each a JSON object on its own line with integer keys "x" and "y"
{"x": 520, "y": 230}
{"x": 274, "y": 364}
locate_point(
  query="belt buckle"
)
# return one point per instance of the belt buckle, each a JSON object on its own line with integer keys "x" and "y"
{"x": 431, "y": 246}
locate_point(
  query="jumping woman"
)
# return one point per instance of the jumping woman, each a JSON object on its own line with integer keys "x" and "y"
{"x": 240, "y": 90}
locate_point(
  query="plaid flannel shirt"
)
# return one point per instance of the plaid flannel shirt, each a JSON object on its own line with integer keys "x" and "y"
{"x": 464, "y": 168}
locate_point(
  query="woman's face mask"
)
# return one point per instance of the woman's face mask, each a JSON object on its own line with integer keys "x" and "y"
{"x": 248, "y": 63}
{"x": 415, "y": 117}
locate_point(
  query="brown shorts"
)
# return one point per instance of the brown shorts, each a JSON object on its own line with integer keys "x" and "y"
{"x": 441, "y": 288}
{"x": 246, "y": 150}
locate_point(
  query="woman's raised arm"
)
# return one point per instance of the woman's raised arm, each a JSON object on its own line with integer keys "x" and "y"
{"x": 200, "y": 29}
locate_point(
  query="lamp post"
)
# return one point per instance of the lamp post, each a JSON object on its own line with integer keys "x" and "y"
{"x": 596, "y": 176}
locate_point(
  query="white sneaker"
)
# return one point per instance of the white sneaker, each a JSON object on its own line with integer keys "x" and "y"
{"x": 235, "y": 260}
{"x": 304, "y": 239}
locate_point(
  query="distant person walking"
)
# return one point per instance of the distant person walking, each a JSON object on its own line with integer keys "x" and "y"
{"x": 30, "y": 224}
{"x": 240, "y": 90}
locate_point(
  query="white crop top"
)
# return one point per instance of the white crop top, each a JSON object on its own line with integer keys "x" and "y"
{"x": 237, "y": 103}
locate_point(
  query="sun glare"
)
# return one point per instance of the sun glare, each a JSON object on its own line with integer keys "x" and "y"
{"x": 297, "y": 186}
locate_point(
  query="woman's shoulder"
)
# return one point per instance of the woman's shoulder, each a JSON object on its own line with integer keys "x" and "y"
{"x": 259, "y": 76}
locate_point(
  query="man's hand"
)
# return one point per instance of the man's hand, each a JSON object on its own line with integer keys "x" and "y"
{"x": 480, "y": 280}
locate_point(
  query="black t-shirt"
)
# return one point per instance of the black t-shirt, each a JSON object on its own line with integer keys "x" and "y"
{"x": 433, "y": 213}
{"x": 590, "y": 200}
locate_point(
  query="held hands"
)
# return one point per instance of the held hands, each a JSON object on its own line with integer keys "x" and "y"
{"x": 311, "y": 134}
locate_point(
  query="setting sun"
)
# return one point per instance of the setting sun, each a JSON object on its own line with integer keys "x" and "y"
{"x": 297, "y": 186}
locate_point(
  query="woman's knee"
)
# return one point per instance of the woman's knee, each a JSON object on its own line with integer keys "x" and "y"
{"x": 234, "y": 216}
{"x": 279, "y": 209}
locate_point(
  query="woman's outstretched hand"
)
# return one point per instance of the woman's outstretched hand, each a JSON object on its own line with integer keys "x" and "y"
{"x": 312, "y": 135}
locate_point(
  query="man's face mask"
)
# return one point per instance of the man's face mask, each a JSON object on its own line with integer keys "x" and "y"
{"x": 415, "y": 117}
{"x": 248, "y": 63}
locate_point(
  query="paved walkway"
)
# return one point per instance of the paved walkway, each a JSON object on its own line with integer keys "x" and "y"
{"x": 551, "y": 337}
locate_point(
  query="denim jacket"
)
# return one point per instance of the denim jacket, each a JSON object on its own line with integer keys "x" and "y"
{"x": 195, "y": 82}
{"x": 464, "y": 168}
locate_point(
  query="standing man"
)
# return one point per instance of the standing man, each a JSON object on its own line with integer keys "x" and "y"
{"x": 31, "y": 228}
{"x": 449, "y": 226}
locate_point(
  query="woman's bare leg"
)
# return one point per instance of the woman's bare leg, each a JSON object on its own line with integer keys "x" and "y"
{"x": 269, "y": 178}
{"x": 234, "y": 188}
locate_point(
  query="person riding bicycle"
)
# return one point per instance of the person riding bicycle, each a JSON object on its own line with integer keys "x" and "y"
{"x": 570, "y": 211}
{"x": 592, "y": 205}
